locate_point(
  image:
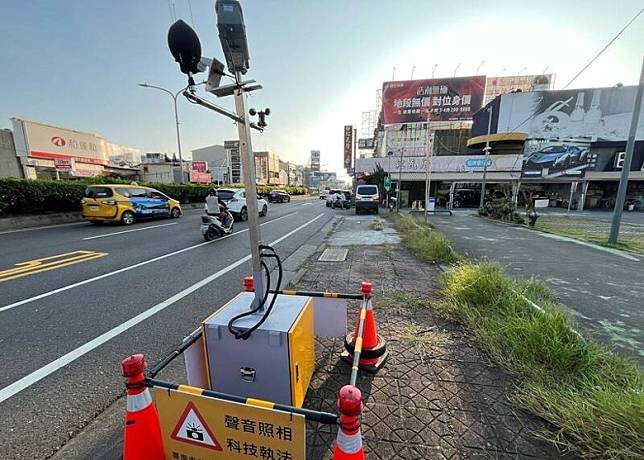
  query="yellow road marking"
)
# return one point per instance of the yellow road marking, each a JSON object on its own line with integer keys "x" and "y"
{"x": 44, "y": 264}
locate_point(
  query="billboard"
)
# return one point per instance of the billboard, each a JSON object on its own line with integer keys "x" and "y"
{"x": 38, "y": 140}
{"x": 201, "y": 166}
{"x": 367, "y": 143}
{"x": 315, "y": 160}
{"x": 562, "y": 124}
{"x": 63, "y": 164}
{"x": 439, "y": 99}
{"x": 199, "y": 177}
{"x": 496, "y": 86}
{"x": 348, "y": 145}
{"x": 441, "y": 164}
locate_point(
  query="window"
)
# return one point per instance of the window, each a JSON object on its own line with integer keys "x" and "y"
{"x": 367, "y": 190}
{"x": 98, "y": 192}
{"x": 225, "y": 195}
{"x": 138, "y": 193}
{"x": 156, "y": 194}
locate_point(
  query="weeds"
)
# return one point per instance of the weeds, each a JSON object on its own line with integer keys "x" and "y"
{"x": 427, "y": 244}
{"x": 593, "y": 397}
{"x": 402, "y": 301}
{"x": 419, "y": 337}
{"x": 376, "y": 225}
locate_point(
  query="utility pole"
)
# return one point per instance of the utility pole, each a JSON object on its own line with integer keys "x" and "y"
{"x": 487, "y": 155}
{"x": 628, "y": 159}
{"x": 355, "y": 149}
{"x": 428, "y": 154}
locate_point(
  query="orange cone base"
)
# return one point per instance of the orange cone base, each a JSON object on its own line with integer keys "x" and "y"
{"x": 339, "y": 455}
{"x": 368, "y": 365}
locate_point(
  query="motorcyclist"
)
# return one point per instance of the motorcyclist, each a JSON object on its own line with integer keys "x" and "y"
{"x": 216, "y": 207}
{"x": 338, "y": 199}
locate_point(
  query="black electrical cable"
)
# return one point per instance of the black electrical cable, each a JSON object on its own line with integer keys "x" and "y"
{"x": 239, "y": 334}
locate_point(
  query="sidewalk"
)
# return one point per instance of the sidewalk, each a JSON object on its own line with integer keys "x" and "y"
{"x": 437, "y": 396}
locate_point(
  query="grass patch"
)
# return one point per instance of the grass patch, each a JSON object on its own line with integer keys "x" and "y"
{"x": 402, "y": 301}
{"x": 593, "y": 397}
{"x": 376, "y": 225}
{"x": 426, "y": 243}
{"x": 630, "y": 236}
{"x": 422, "y": 337}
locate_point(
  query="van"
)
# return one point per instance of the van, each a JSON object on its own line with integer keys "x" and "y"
{"x": 126, "y": 204}
{"x": 367, "y": 198}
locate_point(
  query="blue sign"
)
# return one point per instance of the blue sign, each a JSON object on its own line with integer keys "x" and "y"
{"x": 477, "y": 163}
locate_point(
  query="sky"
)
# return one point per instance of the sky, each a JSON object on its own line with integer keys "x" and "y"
{"x": 77, "y": 63}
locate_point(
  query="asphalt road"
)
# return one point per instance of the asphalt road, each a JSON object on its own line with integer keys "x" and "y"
{"x": 64, "y": 330}
{"x": 602, "y": 287}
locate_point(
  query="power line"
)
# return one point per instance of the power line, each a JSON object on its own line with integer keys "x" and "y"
{"x": 192, "y": 20}
{"x": 605, "y": 47}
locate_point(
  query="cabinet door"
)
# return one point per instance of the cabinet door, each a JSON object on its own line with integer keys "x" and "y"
{"x": 301, "y": 343}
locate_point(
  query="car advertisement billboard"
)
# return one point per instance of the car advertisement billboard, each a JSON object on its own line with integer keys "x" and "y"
{"x": 439, "y": 99}
{"x": 562, "y": 124}
{"x": 552, "y": 159}
{"x": 348, "y": 145}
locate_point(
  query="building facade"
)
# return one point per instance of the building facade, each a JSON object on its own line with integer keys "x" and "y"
{"x": 217, "y": 158}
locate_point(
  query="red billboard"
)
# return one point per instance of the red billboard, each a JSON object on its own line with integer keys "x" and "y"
{"x": 198, "y": 177}
{"x": 438, "y": 99}
{"x": 201, "y": 166}
{"x": 348, "y": 145}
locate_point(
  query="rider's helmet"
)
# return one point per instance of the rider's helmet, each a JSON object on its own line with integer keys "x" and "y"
{"x": 212, "y": 192}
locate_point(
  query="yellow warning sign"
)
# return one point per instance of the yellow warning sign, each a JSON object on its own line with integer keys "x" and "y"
{"x": 204, "y": 428}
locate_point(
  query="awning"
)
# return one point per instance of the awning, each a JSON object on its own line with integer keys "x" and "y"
{"x": 497, "y": 137}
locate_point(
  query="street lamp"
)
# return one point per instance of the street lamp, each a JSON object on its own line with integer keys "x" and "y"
{"x": 479, "y": 67}
{"x": 456, "y": 68}
{"x": 434, "y": 70}
{"x": 176, "y": 120}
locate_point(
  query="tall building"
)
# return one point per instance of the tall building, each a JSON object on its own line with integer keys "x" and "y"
{"x": 217, "y": 157}
{"x": 267, "y": 166}
{"x": 234, "y": 162}
{"x": 315, "y": 160}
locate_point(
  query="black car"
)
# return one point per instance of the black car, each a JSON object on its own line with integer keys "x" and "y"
{"x": 279, "y": 196}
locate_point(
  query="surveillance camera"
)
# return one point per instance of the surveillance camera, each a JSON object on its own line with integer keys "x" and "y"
{"x": 252, "y": 112}
{"x": 267, "y": 111}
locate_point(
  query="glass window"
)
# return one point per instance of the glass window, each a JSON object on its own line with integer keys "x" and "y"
{"x": 138, "y": 193}
{"x": 98, "y": 192}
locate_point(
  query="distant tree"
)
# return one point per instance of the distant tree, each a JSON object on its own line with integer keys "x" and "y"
{"x": 377, "y": 177}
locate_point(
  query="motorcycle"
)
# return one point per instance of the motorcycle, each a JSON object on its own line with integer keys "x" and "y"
{"x": 345, "y": 204}
{"x": 212, "y": 226}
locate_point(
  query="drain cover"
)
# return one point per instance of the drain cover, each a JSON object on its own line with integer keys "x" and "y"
{"x": 333, "y": 255}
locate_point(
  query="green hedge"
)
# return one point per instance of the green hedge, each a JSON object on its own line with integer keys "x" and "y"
{"x": 20, "y": 196}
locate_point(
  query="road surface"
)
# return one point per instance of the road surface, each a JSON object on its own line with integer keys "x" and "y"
{"x": 602, "y": 287}
{"x": 84, "y": 297}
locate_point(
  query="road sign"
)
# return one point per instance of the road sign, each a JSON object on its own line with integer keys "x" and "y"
{"x": 387, "y": 183}
{"x": 201, "y": 427}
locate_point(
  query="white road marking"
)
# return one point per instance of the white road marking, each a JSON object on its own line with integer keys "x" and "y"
{"x": 616, "y": 252}
{"x": 28, "y": 380}
{"x": 125, "y": 269}
{"x": 44, "y": 227}
{"x": 128, "y": 231}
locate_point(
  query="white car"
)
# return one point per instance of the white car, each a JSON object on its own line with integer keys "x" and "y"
{"x": 235, "y": 199}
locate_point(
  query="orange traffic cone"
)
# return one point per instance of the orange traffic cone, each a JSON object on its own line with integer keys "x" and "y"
{"x": 142, "y": 438}
{"x": 374, "y": 347}
{"x": 348, "y": 445}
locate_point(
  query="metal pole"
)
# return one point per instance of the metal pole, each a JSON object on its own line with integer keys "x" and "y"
{"x": 176, "y": 120}
{"x": 427, "y": 170}
{"x": 355, "y": 143}
{"x": 630, "y": 145}
{"x": 399, "y": 194}
{"x": 487, "y": 155}
{"x": 573, "y": 187}
{"x": 248, "y": 171}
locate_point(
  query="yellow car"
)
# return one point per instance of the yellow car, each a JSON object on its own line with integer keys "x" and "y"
{"x": 126, "y": 204}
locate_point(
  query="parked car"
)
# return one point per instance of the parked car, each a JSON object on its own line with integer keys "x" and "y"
{"x": 367, "y": 198}
{"x": 279, "y": 196}
{"x": 126, "y": 204}
{"x": 329, "y": 196}
{"x": 323, "y": 194}
{"x": 235, "y": 199}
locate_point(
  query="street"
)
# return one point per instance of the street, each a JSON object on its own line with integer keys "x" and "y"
{"x": 602, "y": 287}
{"x": 87, "y": 296}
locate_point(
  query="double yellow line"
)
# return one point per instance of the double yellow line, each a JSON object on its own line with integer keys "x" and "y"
{"x": 32, "y": 267}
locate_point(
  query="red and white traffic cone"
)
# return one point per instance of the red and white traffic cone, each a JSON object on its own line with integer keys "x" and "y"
{"x": 374, "y": 347}
{"x": 348, "y": 445}
{"x": 142, "y": 437}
